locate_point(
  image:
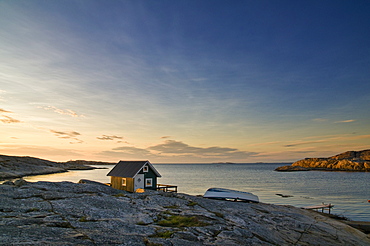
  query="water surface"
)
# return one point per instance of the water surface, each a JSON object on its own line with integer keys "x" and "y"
{"x": 348, "y": 191}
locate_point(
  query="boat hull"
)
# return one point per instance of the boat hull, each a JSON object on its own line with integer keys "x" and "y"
{"x": 226, "y": 194}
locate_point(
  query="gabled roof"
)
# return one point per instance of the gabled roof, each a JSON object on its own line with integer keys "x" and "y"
{"x": 129, "y": 169}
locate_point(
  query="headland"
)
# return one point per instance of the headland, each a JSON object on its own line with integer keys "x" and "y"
{"x": 358, "y": 161}
{"x": 21, "y": 166}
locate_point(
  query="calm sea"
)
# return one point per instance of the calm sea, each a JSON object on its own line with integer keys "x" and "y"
{"x": 348, "y": 191}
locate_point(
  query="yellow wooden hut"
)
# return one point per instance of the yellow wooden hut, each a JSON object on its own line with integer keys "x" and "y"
{"x": 133, "y": 175}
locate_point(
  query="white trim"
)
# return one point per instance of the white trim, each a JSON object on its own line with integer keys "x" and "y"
{"x": 146, "y": 168}
{"x": 149, "y": 182}
{"x": 152, "y": 167}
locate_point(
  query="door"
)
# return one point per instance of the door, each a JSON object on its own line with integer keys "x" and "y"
{"x": 139, "y": 182}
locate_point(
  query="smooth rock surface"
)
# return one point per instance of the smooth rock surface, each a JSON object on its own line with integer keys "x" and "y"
{"x": 65, "y": 213}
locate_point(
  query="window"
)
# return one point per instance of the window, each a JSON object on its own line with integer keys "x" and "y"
{"x": 148, "y": 182}
{"x": 145, "y": 169}
{"x": 123, "y": 181}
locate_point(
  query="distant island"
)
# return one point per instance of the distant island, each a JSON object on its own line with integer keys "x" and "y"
{"x": 227, "y": 162}
{"x": 348, "y": 161}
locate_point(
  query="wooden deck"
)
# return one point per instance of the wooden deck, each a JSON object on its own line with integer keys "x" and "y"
{"x": 167, "y": 188}
{"x": 162, "y": 187}
{"x": 322, "y": 207}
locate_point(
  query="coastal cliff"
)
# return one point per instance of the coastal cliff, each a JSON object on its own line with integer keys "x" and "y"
{"x": 89, "y": 213}
{"x": 20, "y": 166}
{"x": 347, "y": 161}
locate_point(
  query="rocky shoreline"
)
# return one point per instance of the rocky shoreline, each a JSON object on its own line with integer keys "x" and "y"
{"x": 90, "y": 213}
{"x": 20, "y": 166}
{"x": 355, "y": 161}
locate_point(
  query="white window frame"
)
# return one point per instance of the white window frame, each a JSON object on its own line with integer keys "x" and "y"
{"x": 146, "y": 169}
{"x": 124, "y": 182}
{"x": 149, "y": 182}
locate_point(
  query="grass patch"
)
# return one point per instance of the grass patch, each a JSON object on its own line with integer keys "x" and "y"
{"x": 84, "y": 219}
{"x": 192, "y": 204}
{"x": 220, "y": 215}
{"x": 181, "y": 221}
{"x": 172, "y": 206}
{"x": 167, "y": 212}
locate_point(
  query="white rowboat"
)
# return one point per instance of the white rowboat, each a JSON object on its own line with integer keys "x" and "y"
{"x": 226, "y": 194}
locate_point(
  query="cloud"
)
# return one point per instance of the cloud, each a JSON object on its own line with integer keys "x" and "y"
{"x": 172, "y": 147}
{"x": 9, "y": 120}
{"x": 107, "y": 137}
{"x": 304, "y": 143}
{"x": 356, "y": 137}
{"x": 345, "y": 121}
{"x": 164, "y": 137}
{"x": 4, "y": 111}
{"x": 63, "y": 111}
{"x": 65, "y": 134}
{"x": 68, "y": 135}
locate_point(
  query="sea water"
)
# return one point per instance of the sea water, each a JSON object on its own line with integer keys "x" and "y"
{"x": 349, "y": 192}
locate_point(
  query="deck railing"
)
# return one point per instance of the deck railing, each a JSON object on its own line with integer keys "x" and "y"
{"x": 323, "y": 207}
{"x": 167, "y": 188}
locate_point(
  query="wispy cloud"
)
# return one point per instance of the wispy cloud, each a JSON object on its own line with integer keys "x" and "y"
{"x": 60, "y": 134}
{"x": 329, "y": 138}
{"x": 68, "y": 135}
{"x": 4, "y": 111}
{"x": 304, "y": 143}
{"x": 345, "y": 121}
{"x": 109, "y": 137}
{"x": 68, "y": 112}
{"x": 9, "y": 120}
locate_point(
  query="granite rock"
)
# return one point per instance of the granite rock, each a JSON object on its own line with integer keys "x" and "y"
{"x": 347, "y": 161}
{"x": 87, "y": 213}
{"x": 20, "y": 166}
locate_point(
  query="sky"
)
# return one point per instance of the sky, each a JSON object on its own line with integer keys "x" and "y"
{"x": 184, "y": 81}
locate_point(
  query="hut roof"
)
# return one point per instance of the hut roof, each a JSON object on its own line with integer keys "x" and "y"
{"x": 129, "y": 169}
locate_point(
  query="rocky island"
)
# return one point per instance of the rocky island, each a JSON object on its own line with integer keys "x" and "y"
{"x": 90, "y": 213}
{"x": 347, "y": 161}
{"x": 20, "y": 166}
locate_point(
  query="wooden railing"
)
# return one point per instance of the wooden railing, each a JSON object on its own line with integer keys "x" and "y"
{"x": 322, "y": 207}
{"x": 167, "y": 188}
